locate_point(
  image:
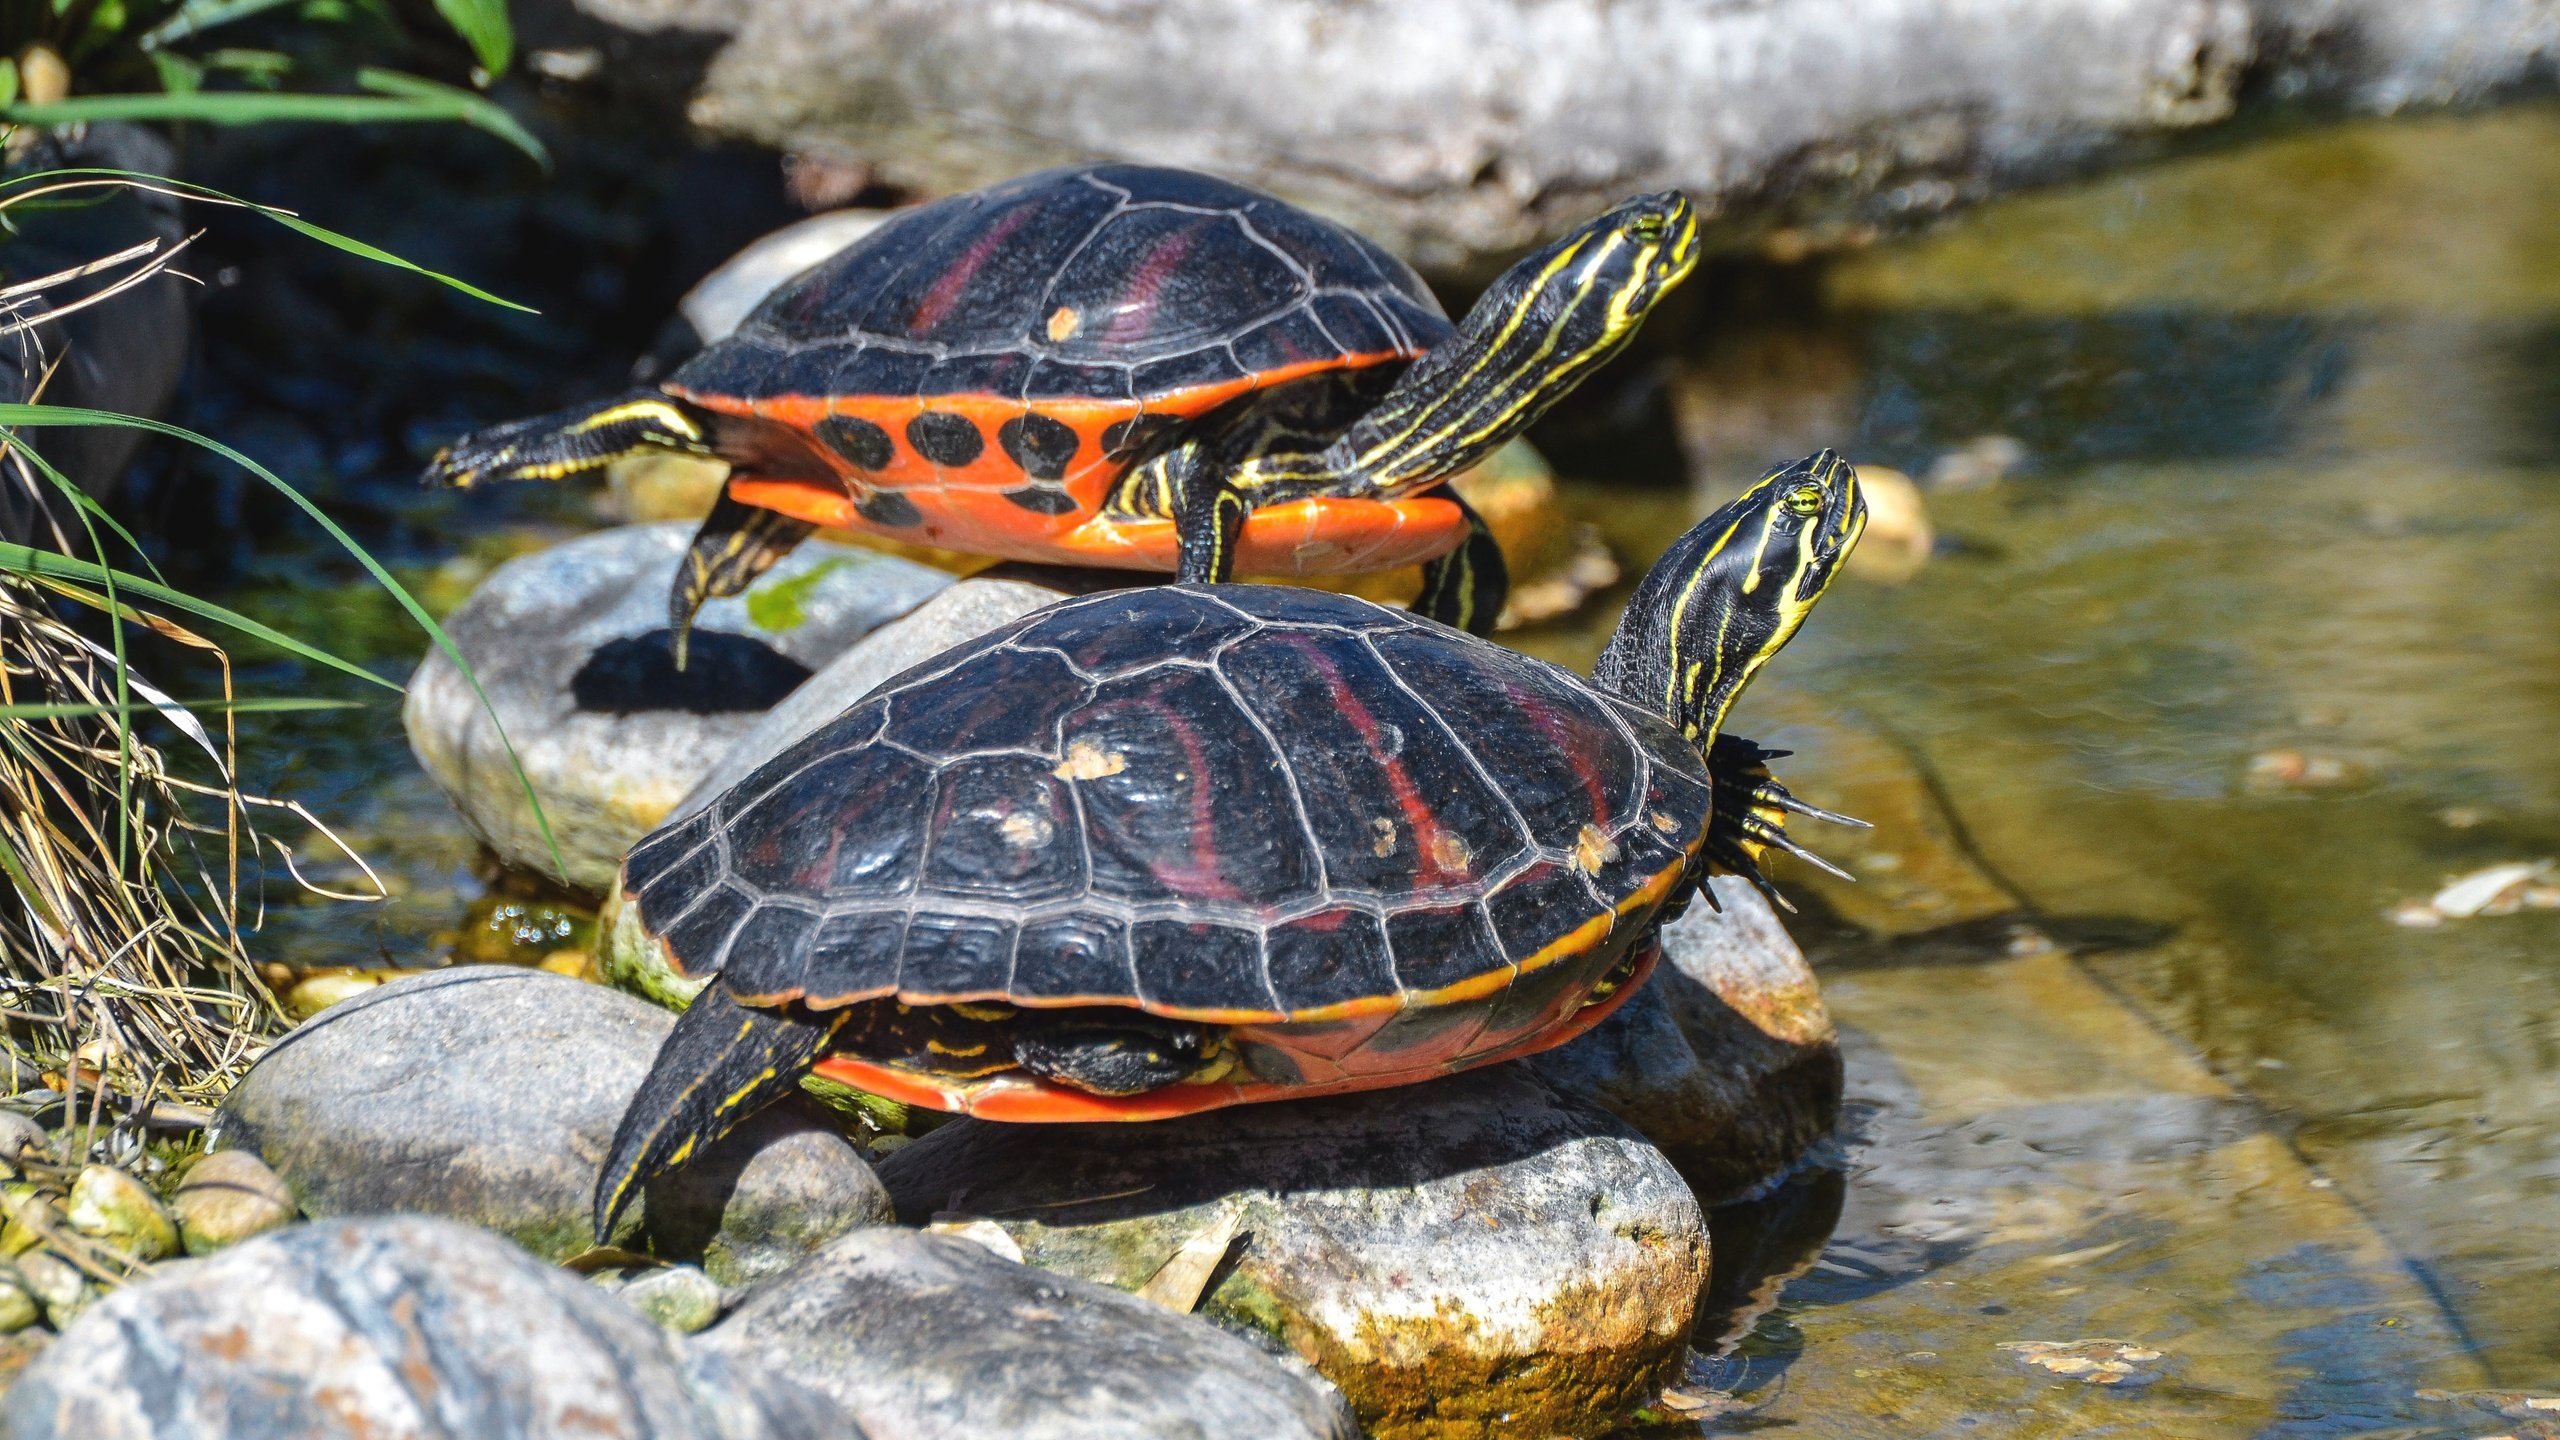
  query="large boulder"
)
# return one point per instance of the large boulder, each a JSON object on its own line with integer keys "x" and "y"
{"x": 1460, "y": 133}
{"x": 1473, "y": 1257}
{"x": 489, "y": 1095}
{"x": 928, "y": 1337}
{"x": 388, "y": 1329}
{"x": 572, "y": 647}
{"x": 1726, "y": 1059}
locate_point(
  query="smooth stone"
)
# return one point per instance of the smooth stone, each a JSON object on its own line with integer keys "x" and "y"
{"x": 572, "y": 646}
{"x": 1726, "y": 1059}
{"x": 229, "y": 1196}
{"x": 19, "y": 1136}
{"x": 489, "y": 1094}
{"x": 1475, "y": 1256}
{"x": 56, "y": 1283}
{"x": 679, "y": 1298}
{"x": 19, "y": 1307}
{"x": 403, "y": 1326}
{"x": 112, "y": 1207}
{"x": 968, "y": 609}
{"x": 927, "y": 1337}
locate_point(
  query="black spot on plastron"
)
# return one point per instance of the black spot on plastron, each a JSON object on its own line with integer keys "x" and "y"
{"x": 1042, "y": 500}
{"x": 1041, "y": 446}
{"x": 866, "y": 445}
{"x": 1128, "y": 437}
{"x": 724, "y": 674}
{"x": 948, "y": 440}
{"x": 889, "y": 508}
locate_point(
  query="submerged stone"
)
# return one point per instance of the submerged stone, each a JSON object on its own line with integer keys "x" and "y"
{"x": 929, "y": 1337}
{"x": 489, "y": 1095}
{"x": 1473, "y": 1257}
{"x": 399, "y": 1326}
{"x": 572, "y": 647}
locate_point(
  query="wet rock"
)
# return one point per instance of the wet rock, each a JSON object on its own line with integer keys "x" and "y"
{"x": 113, "y": 1208}
{"x": 572, "y": 646}
{"x": 489, "y": 1095}
{"x": 1477, "y": 1256}
{"x": 679, "y": 1298}
{"x": 1726, "y": 1059}
{"x": 922, "y": 1337}
{"x": 967, "y": 610}
{"x": 402, "y": 1326}
{"x": 229, "y": 1196}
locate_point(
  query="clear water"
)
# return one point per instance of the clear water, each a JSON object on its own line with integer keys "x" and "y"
{"x": 2137, "y": 1054}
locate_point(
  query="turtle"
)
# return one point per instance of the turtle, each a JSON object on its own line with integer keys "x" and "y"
{"x": 1159, "y": 850}
{"x": 1124, "y": 366}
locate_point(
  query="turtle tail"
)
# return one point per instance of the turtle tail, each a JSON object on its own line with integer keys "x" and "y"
{"x": 723, "y": 1062}
{"x": 572, "y": 442}
{"x": 1750, "y": 819}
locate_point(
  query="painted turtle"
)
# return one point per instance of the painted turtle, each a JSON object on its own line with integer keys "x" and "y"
{"x": 1162, "y": 850}
{"x": 1123, "y": 366}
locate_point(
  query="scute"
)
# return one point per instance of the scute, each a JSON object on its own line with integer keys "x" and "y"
{"x": 1112, "y": 281}
{"x": 1122, "y": 630}
{"x": 852, "y": 822}
{"x": 1004, "y": 828}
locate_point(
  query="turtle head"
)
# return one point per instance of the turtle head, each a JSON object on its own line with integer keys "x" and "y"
{"x": 1731, "y": 593}
{"x": 1617, "y": 267}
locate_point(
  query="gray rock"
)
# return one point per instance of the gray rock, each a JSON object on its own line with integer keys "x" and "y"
{"x": 679, "y": 1298}
{"x": 1462, "y": 134}
{"x": 403, "y": 1326}
{"x": 926, "y": 1337}
{"x": 57, "y": 1283}
{"x": 227, "y": 1197}
{"x": 20, "y": 1306}
{"x": 489, "y": 1095}
{"x": 1726, "y": 1059}
{"x": 967, "y": 610}
{"x": 571, "y": 646}
{"x": 1449, "y": 1254}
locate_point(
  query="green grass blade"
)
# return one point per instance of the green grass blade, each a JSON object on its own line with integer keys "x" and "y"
{"x": 197, "y": 16}
{"x": 247, "y": 705}
{"x": 483, "y": 26}
{"x": 27, "y": 560}
{"x": 286, "y": 218}
{"x": 40, "y": 415}
{"x": 472, "y": 109}
{"x": 236, "y": 107}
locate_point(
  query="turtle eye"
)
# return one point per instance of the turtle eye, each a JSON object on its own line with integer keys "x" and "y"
{"x": 1649, "y": 228}
{"x": 1804, "y": 500}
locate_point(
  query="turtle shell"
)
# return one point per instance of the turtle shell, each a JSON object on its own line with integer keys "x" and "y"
{"x": 1023, "y": 344}
{"x": 1378, "y": 844}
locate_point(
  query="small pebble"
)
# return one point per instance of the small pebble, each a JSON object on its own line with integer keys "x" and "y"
{"x": 56, "y": 1282}
{"x": 318, "y": 992}
{"x": 18, "y": 1136}
{"x": 1899, "y": 539}
{"x": 2279, "y": 770}
{"x": 19, "y": 1307}
{"x": 679, "y": 1298}
{"x": 985, "y": 1234}
{"x": 111, "y": 1206}
{"x": 29, "y": 1214}
{"x": 1978, "y": 463}
{"x": 227, "y": 1197}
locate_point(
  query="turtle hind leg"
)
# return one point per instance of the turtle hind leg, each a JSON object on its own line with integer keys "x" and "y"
{"x": 737, "y": 543}
{"x": 572, "y": 442}
{"x": 1115, "y": 1053}
{"x": 723, "y": 1062}
{"x": 1466, "y": 588}
{"x": 1750, "y": 819}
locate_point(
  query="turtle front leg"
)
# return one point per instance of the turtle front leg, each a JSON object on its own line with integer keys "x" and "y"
{"x": 1208, "y": 515}
{"x": 737, "y": 543}
{"x": 1467, "y": 587}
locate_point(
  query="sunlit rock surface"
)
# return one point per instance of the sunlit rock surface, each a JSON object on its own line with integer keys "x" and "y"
{"x": 399, "y": 1326}
{"x": 926, "y": 1337}
{"x": 1462, "y": 132}
{"x": 572, "y": 647}
{"x": 489, "y": 1095}
{"x": 1474, "y": 1257}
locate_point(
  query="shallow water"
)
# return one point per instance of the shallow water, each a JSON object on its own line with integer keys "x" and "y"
{"x": 2137, "y": 1054}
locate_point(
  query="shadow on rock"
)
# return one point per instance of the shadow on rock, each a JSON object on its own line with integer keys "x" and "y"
{"x": 724, "y": 674}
